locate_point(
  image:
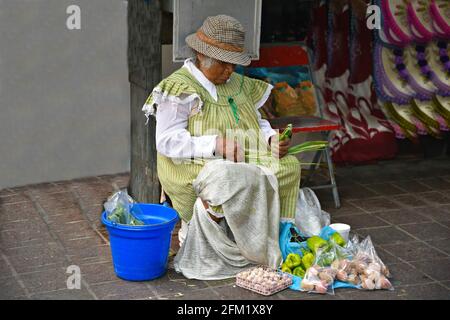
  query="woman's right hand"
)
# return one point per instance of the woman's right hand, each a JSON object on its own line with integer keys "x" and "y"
{"x": 229, "y": 149}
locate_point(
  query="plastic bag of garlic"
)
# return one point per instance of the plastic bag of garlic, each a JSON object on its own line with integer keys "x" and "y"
{"x": 319, "y": 280}
{"x": 364, "y": 269}
{"x": 356, "y": 265}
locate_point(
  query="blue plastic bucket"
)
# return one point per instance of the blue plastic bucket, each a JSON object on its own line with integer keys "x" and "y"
{"x": 141, "y": 252}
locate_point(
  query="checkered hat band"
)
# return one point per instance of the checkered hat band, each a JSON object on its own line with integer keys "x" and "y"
{"x": 225, "y": 46}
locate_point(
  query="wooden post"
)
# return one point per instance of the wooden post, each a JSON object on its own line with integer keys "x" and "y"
{"x": 144, "y": 63}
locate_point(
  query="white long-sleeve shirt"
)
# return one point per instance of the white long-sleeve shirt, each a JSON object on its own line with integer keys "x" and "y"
{"x": 172, "y": 137}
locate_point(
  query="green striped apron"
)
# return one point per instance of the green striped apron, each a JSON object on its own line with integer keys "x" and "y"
{"x": 218, "y": 118}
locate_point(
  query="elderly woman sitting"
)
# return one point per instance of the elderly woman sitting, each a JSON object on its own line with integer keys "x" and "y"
{"x": 205, "y": 111}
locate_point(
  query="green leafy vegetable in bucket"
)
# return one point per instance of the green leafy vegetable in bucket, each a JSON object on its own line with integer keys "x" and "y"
{"x": 122, "y": 216}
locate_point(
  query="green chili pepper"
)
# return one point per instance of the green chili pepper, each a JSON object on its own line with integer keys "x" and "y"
{"x": 299, "y": 272}
{"x": 287, "y": 133}
{"x": 293, "y": 260}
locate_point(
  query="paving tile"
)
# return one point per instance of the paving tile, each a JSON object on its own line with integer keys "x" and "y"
{"x": 233, "y": 292}
{"x": 46, "y": 188}
{"x": 58, "y": 200}
{"x": 6, "y": 192}
{"x": 375, "y": 204}
{"x": 201, "y": 294}
{"x": 387, "y": 257}
{"x": 409, "y": 201}
{"x": 412, "y": 186}
{"x": 385, "y": 235}
{"x": 48, "y": 280}
{"x": 86, "y": 181}
{"x": 82, "y": 243}
{"x": 90, "y": 254}
{"x": 5, "y": 270}
{"x": 57, "y": 211}
{"x": 436, "y": 183}
{"x": 358, "y": 221}
{"x": 19, "y": 189}
{"x": 103, "y": 231}
{"x": 64, "y": 294}
{"x": 76, "y": 230}
{"x": 174, "y": 283}
{"x": 94, "y": 213}
{"x": 438, "y": 269}
{"x": 31, "y": 226}
{"x": 18, "y": 212}
{"x": 289, "y": 294}
{"x": 10, "y": 288}
{"x": 220, "y": 283}
{"x": 432, "y": 291}
{"x": 438, "y": 213}
{"x": 427, "y": 231}
{"x": 66, "y": 215}
{"x": 404, "y": 216}
{"x": 443, "y": 245}
{"x": 346, "y": 209}
{"x": 445, "y": 223}
{"x": 404, "y": 274}
{"x": 356, "y": 192}
{"x": 93, "y": 200}
{"x": 98, "y": 272}
{"x": 414, "y": 251}
{"x": 121, "y": 181}
{"x": 385, "y": 189}
{"x": 29, "y": 234}
{"x": 446, "y": 284}
{"x": 355, "y": 294}
{"x": 434, "y": 197}
{"x": 325, "y": 196}
{"x": 365, "y": 175}
{"x": 122, "y": 289}
{"x": 36, "y": 258}
{"x": 14, "y": 198}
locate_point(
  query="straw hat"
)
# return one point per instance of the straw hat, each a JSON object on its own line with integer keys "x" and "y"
{"x": 221, "y": 37}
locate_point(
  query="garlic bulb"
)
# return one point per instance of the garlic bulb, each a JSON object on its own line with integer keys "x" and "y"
{"x": 335, "y": 264}
{"x": 307, "y": 286}
{"x": 326, "y": 277}
{"x": 384, "y": 283}
{"x": 342, "y": 275}
{"x": 320, "y": 288}
{"x": 374, "y": 266}
{"x": 368, "y": 284}
{"x": 354, "y": 279}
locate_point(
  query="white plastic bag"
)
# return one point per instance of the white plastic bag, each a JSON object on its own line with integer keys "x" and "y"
{"x": 119, "y": 209}
{"x": 309, "y": 216}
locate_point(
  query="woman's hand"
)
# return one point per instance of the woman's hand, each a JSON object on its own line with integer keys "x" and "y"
{"x": 279, "y": 147}
{"x": 229, "y": 149}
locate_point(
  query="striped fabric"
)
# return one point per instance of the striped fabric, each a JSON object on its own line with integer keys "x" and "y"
{"x": 216, "y": 118}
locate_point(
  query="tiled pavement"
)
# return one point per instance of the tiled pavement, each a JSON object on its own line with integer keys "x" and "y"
{"x": 403, "y": 205}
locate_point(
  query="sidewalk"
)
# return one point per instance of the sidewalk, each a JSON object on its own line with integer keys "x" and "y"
{"x": 403, "y": 205}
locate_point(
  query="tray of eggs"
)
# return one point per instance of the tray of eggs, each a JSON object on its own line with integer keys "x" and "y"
{"x": 263, "y": 280}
